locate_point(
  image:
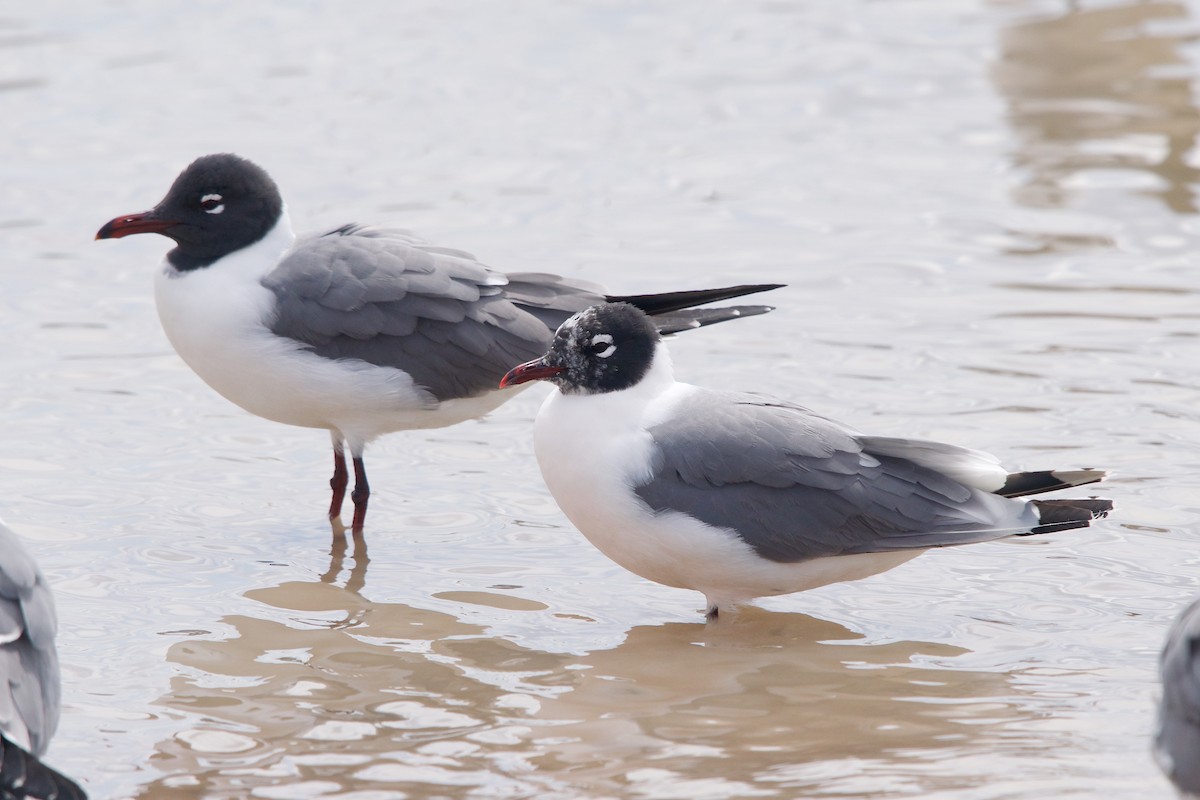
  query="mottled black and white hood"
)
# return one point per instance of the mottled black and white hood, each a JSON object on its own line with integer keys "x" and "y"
{"x": 602, "y": 349}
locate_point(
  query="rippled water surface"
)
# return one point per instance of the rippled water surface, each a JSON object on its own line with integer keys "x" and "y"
{"x": 986, "y": 214}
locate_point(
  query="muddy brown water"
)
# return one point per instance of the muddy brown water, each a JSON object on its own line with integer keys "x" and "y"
{"x": 986, "y": 215}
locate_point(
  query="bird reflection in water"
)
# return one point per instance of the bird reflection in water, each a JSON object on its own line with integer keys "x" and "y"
{"x": 337, "y": 559}
{"x": 327, "y": 692}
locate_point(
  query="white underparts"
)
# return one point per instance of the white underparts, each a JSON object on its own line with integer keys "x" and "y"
{"x": 217, "y": 319}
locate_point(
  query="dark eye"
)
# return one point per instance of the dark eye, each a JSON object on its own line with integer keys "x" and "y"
{"x": 212, "y": 203}
{"x": 602, "y": 345}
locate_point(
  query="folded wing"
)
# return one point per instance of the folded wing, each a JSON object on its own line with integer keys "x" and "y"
{"x": 29, "y": 673}
{"x": 385, "y": 298}
{"x": 794, "y": 485}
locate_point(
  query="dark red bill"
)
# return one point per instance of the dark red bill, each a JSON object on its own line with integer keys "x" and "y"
{"x": 146, "y": 222}
{"x": 535, "y": 370}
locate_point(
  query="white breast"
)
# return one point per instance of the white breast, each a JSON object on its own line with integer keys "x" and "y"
{"x": 594, "y": 449}
{"x": 216, "y": 318}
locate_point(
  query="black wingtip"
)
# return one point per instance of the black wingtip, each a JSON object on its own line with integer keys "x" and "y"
{"x": 1063, "y": 515}
{"x": 1020, "y": 484}
{"x": 24, "y": 777}
{"x": 655, "y": 304}
{"x": 677, "y": 321}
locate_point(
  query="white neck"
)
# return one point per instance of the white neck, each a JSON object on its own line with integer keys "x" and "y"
{"x": 608, "y": 413}
{"x": 253, "y": 261}
{"x": 211, "y": 312}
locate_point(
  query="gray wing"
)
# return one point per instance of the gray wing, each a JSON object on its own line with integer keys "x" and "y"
{"x": 1177, "y": 742}
{"x": 796, "y": 486}
{"x": 29, "y": 676}
{"x": 552, "y": 298}
{"x": 384, "y": 297}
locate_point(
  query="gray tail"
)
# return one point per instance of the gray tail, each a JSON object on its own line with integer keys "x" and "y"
{"x": 676, "y": 321}
{"x": 1063, "y": 515}
{"x": 24, "y": 777}
{"x": 655, "y": 304}
{"x": 1020, "y": 484}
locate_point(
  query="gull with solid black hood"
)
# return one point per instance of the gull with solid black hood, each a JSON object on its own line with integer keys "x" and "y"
{"x": 359, "y": 331}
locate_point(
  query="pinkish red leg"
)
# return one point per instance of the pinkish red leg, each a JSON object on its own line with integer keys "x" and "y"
{"x": 360, "y": 495}
{"x": 338, "y": 482}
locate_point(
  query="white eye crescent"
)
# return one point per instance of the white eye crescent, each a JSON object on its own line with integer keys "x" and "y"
{"x": 602, "y": 345}
{"x": 212, "y": 203}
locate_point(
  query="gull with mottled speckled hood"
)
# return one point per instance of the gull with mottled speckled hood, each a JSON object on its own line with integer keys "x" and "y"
{"x": 740, "y": 495}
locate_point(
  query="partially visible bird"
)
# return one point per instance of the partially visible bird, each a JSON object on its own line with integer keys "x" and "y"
{"x": 29, "y": 679}
{"x": 1177, "y": 739}
{"x": 741, "y": 495}
{"x": 360, "y": 331}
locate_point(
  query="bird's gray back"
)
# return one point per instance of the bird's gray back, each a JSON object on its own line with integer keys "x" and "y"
{"x": 385, "y": 298}
{"x": 795, "y": 485}
{"x": 29, "y": 674}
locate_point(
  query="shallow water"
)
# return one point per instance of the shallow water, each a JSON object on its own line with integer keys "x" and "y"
{"x": 986, "y": 216}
